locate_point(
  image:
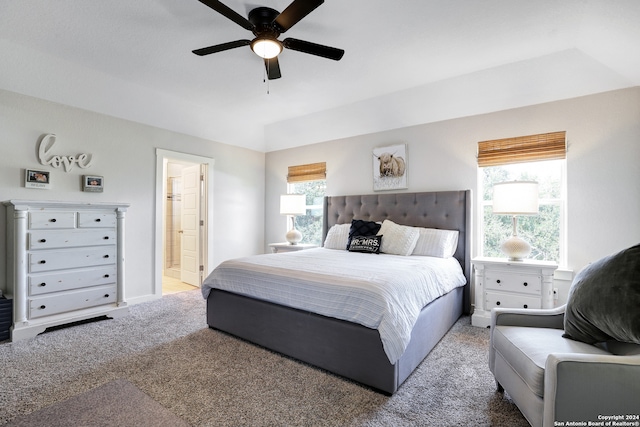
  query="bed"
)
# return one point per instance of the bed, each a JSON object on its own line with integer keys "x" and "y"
{"x": 344, "y": 347}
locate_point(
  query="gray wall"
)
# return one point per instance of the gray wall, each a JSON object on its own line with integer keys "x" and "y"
{"x": 603, "y": 133}
{"x": 603, "y": 177}
{"x": 125, "y": 154}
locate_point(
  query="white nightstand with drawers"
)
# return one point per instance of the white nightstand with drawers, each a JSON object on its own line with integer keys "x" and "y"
{"x": 65, "y": 262}
{"x": 511, "y": 284}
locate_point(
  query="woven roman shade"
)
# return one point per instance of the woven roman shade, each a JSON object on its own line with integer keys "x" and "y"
{"x": 531, "y": 148}
{"x": 310, "y": 172}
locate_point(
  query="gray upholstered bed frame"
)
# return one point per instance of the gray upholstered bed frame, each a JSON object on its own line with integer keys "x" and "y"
{"x": 346, "y": 348}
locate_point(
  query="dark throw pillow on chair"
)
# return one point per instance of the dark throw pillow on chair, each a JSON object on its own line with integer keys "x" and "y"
{"x": 604, "y": 300}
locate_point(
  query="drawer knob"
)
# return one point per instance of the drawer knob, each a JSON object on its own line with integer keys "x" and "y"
{"x": 498, "y": 303}
{"x": 43, "y": 284}
{"x": 106, "y": 237}
{"x": 52, "y": 220}
{"x": 43, "y": 240}
{"x": 526, "y": 306}
{"x": 106, "y": 276}
{"x": 42, "y": 261}
{"x": 498, "y": 281}
{"x": 106, "y": 256}
{"x": 98, "y": 219}
{"x": 42, "y": 307}
{"x": 106, "y": 295}
{"x": 526, "y": 284}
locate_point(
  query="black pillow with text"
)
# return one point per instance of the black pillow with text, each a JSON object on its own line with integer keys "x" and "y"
{"x": 367, "y": 244}
{"x": 361, "y": 227}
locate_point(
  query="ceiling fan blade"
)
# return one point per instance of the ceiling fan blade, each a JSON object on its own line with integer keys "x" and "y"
{"x": 313, "y": 48}
{"x": 273, "y": 68}
{"x": 297, "y": 10}
{"x": 220, "y": 47}
{"x": 229, "y": 13}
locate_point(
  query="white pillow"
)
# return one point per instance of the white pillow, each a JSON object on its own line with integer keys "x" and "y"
{"x": 437, "y": 243}
{"x": 397, "y": 239}
{"x": 337, "y": 237}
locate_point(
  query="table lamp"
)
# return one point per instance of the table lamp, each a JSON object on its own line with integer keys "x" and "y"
{"x": 515, "y": 198}
{"x": 292, "y": 205}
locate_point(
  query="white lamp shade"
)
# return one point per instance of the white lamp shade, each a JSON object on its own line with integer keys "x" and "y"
{"x": 515, "y": 198}
{"x": 293, "y": 204}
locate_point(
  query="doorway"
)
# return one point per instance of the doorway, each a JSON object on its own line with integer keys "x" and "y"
{"x": 183, "y": 212}
{"x": 185, "y": 182}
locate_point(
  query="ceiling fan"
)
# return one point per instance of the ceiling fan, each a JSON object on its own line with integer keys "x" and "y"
{"x": 267, "y": 24}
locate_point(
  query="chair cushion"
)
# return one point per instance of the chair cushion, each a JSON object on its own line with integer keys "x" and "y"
{"x": 526, "y": 350}
{"x": 604, "y": 298}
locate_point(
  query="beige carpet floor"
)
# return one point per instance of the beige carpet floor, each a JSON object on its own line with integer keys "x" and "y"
{"x": 208, "y": 378}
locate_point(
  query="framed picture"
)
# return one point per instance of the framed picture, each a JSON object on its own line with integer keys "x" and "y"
{"x": 390, "y": 167}
{"x": 92, "y": 183}
{"x": 37, "y": 179}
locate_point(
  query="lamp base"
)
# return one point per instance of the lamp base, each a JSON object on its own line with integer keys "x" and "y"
{"x": 515, "y": 248}
{"x": 293, "y": 236}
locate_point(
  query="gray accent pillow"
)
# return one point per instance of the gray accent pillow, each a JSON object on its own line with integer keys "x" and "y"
{"x": 604, "y": 300}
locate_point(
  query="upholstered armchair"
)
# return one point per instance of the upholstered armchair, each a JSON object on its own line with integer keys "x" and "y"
{"x": 579, "y": 362}
{"x": 555, "y": 379}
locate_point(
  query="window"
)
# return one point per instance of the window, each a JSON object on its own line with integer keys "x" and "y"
{"x": 545, "y": 232}
{"x": 310, "y": 181}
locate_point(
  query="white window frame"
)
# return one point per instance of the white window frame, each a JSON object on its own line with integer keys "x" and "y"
{"x": 291, "y": 190}
{"x": 561, "y": 202}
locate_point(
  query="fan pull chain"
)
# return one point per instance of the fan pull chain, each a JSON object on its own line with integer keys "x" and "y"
{"x": 266, "y": 73}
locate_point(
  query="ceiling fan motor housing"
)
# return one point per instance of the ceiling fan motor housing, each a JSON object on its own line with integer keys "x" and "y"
{"x": 263, "y": 19}
{"x": 266, "y": 43}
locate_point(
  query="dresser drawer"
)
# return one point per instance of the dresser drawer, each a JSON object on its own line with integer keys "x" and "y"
{"x": 50, "y": 220}
{"x": 71, "y": 258}
{"x": 71, "y": 301}
{"x": 93, "y": 219}
{"x": 65, "y": 280}
{"x": 513, "y": 282}
{"x": 71, "y": 238}
{"x": 499, "y": 300}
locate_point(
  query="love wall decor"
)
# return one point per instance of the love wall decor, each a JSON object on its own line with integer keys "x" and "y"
{"x": 46, "y": 156}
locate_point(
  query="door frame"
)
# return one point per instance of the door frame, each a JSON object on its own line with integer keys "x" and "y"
{"x": 162, "y": 157}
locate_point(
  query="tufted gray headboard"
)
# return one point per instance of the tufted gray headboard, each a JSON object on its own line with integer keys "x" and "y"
{"x": 450, "y": 210}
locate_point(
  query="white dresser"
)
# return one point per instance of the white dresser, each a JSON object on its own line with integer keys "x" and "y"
{"x": 510, "y": 284}
{"x": 65, "y": 263}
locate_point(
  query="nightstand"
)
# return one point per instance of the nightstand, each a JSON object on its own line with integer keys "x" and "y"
{"x": 511, "y": 284}
{"x": 288, "y": 247}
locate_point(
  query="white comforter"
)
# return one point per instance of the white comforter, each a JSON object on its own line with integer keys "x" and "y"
{"x": 384, "y": 292}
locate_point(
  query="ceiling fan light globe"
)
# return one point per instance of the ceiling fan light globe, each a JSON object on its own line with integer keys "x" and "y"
{"x": 266, "y": 48}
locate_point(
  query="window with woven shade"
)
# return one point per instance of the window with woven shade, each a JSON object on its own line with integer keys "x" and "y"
{"x": 541, "y": 158}
{"x": 310, "y": 180}
{"x": 522, "y": 149}
{"x": 309, "y": 172}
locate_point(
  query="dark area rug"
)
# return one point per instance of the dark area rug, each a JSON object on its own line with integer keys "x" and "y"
{"x": 117, "y": 403}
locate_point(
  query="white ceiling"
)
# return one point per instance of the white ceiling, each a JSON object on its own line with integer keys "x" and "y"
{"x": 406, "y": 62}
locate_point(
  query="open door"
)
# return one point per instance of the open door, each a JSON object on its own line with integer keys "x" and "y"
{"x": 197, "y": 179}
{"x": 191, "y": 223}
